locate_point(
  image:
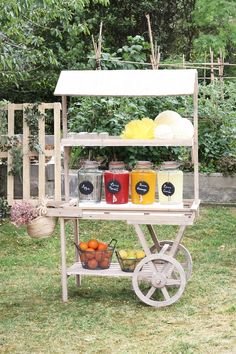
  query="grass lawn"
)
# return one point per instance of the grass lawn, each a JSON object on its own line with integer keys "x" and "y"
{"x": 104, "y": 315}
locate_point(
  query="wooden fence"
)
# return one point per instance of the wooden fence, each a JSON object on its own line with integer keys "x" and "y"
{"x": 42, "y": 156}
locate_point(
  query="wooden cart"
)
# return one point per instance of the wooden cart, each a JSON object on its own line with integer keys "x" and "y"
{"x": 160, "y": 278}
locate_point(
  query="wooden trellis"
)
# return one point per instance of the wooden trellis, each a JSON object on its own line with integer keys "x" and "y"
{"x": 55, "y": 152}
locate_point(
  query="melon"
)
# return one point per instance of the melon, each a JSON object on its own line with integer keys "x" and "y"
{"x": 167, "y": 118}
{"x": 183, "y": 129}
{"x": 163, "y": 131}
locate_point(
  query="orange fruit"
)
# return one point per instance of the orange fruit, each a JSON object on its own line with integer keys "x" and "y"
{"x": 98, "y": 256}
{"x": 92, "y": 263}
{"x": 93, "y": 244}
{"x": 102, "y": 246}
{"x": 104, "y": 263}
{"x": 106, "y": 254}
{"x": 83, "y": 246}
{"x": 83, "y": 257}
{"x": 90, "y": 253}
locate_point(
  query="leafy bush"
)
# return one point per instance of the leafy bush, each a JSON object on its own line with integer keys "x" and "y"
{"x": 217, "y": 118}
{"x": 4, "y": 208}
{"x": 217, "y": 127}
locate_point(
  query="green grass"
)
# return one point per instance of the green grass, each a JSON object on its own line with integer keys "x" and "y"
{"x": 104, "y": 315}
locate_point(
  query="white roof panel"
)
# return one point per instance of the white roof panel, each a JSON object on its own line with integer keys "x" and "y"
{"x": 126, "y": 82}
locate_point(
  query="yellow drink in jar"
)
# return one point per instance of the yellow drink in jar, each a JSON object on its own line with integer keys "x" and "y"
{"x": 143, "y": 183}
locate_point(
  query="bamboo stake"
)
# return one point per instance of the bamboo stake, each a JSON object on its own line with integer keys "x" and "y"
{"x": 221, "y": 65}
{"x": 212, "y": 65}
{"x": 184, "y": 67}
{"x": 204, "y": 72}
{"x": 98, "y": 48}
{"x": 153, "y": 56}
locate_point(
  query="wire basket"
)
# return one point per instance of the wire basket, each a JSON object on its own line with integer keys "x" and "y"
{"x": 97, "y": 259}
{"x": 127, "y": 264}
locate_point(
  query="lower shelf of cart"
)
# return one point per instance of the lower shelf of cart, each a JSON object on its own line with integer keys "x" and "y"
{"x": 113, "y": 271}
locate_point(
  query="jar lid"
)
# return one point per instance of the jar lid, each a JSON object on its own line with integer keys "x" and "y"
{"x": 90, "y": 164}
{"x": 116, "y": 165}
{"x": 169, "y": 165}
{"x": 143, "y": 164}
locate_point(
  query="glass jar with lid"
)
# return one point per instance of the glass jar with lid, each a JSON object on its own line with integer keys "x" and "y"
{"x": 143, "y": 183}
{"x": 170, "y": 183}
{"x": 116, "y": 182}
{"x": 90, "y": 182}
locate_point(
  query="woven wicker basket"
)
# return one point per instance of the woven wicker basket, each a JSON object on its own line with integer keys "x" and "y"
{"x": 41, "y": 227}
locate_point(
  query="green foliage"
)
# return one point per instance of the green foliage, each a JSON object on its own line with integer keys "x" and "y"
{"x": 217, "y": 126}
{"x": 4, "y": 208}
{"x": 215, "y": 27}
{"x": 37, "y": 40}
{"x": 17, "y": 161}
{"x": 134, "y": 52}
{"x": 123, "y": 18}
{"x": 111, "y": 115}
{"x": 3, "y": 118}
{"x": 32, "y": 115}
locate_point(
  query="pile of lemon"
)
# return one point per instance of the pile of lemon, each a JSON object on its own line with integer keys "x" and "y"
{"x": 130, "y": 258}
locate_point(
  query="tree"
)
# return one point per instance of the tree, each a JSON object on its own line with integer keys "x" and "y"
{"x": 215, "y": 27}
{"x": 37, "y": 40}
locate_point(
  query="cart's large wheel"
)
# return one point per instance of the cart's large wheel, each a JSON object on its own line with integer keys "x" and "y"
{"x": 182, "y": 256}
{"x": 159, "y": 280}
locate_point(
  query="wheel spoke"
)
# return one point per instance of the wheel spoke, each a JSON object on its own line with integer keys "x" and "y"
{"x": 173, "y": 282}
{"x": 150, "y": 292}
{"x": 165, "y": 293}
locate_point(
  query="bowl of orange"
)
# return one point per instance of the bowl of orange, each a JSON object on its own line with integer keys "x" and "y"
{"x": 95, "y": 254}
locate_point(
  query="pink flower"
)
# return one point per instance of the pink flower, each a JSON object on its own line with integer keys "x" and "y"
{"x": 22, "y": 213}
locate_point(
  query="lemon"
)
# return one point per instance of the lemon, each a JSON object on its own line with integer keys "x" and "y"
{"x": 140, "y": 254}
{"x": 123, "y": 254}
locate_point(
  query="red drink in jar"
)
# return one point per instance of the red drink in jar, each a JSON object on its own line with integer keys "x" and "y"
{"x": 116, "y": 181}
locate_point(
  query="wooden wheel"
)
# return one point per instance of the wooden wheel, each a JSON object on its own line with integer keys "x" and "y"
{"x": 159, "y": 280}
{"x": 182, "y": 256}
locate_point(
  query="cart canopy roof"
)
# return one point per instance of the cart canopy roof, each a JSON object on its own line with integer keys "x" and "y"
{"x": 126, "y": 82}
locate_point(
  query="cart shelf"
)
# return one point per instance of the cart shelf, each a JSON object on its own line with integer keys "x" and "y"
{"x": 117, "y": 141}
{"x": 113, "y": 271}
{"x": 143, "y": 214}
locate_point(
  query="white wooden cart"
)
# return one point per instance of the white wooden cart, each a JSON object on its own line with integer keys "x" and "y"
{"x": 160, "y": 278}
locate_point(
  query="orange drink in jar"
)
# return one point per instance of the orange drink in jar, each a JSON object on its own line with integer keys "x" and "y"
{"x": 143, "y": 183}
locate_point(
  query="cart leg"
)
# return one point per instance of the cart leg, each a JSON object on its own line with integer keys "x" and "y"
{"x": 172, "y": 253}
{"x": 142, "y": 239}
{"x": 154, "y": 237}
{"x": 63, "y": 261}
{"x": 76, "y": 240}
{"x": 177, "y": 241}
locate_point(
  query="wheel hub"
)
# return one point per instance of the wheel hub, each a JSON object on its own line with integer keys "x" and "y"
{"x": 158, "y": 280}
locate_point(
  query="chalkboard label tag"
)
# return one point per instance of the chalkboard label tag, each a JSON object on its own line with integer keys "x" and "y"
{"x": 142, "y": 187}
{"x": 113, "y": 186}
{"x": 168, "y": 189}
{"x": 86, "y": 187}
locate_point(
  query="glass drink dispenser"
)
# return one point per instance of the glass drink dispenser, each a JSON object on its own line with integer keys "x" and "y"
{"x": 170, "y": 183}
{"x": 143, "y": 183}
{"x": 116, "y": 181}
{"x": 90, "y": 183}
